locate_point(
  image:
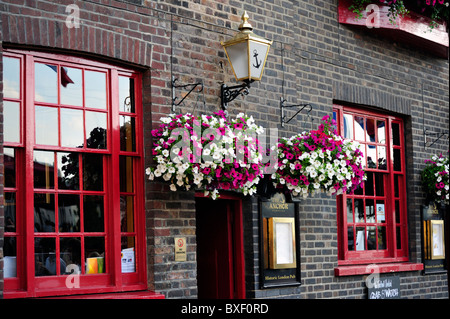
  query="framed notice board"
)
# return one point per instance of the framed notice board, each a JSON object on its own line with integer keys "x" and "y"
{"x": 279, "y": 242}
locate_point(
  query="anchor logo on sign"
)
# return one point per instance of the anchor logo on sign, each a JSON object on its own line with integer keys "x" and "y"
{"x": 258, "y": 63}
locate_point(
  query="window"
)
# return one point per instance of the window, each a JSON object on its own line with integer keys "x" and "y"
{"x": 73, "y": 196}
{"x": 372, "y": 221}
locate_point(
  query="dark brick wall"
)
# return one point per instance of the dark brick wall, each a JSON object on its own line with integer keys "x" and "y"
{"x": 313, "y": 59}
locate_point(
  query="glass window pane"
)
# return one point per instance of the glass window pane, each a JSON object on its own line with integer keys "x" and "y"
{"x": 70, "y": 249}
{"x": 44, "y": 213}
{"x": 371, "y": 156}
{"x": 46, "y": 122}
{"x": 127, "y": 255}
{"x": 127, "y": 214}
{"x": 382, "y": 164}
{"x": 11, "y": 123}
{"x": 370, "y": 211}
{"x": 45, "y": 83}
{"x": 396, "y": 186}
{"x": 10, "y": 257}
{"x": 397, "y": 211}
{"x": 348, "y": 126}
{"x": 10, "y": 167}
{"x": 370, "y": 130}
{"x": 95, "y": 89}
{"x": 397, "y": 160}
{"x": 127, "y": 134}
{"x": 368, "y": 184}
{"x": 379, "y": 184}
{"x": 359, "y": 210}
{"x": 382, "y": 237}
{"x": 94, "y": 251}
{"x": 349, "y": 210}
{"x": 68, "y": 171}
{"x": 93, "y": 213}
{"x": 10, "y": 212}
{"x": 44, "y": 163}
{"x": 71, "y": 86}
{"x": 360, "y": 238}
{"x": 126, "y": 174}
{"x": 96, "y": 130}
{"x": 396, "y": 134}
{"x": 350, "y": 239}
{"x": 359, "y": 128}
{"x": 11, "y": 78}
{"x": 69, "y": 213}
{"x": 371, "y": 238}
{"x": 72, "y": 128}
{"x": 93, "y": 172}
{"x": 45, "y": 257}
{"x": 381, "y": 131}
{"x": 126, "y": 94}
{"x": 381, "y": 211}
{"x": 399, "y": 237}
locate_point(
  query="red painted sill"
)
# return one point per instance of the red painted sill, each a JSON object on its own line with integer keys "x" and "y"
{"x": 380, "y": 268}
{"x": 413, "y": 29}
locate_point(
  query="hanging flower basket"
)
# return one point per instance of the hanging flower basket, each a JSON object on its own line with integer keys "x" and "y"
{"x": 208, "y": 152}
{"x": 435, "y": 179}
{"x": 319, "y": 160}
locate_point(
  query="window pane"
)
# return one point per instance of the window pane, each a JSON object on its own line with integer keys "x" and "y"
{"x": 371, "y": 238}
{"x": 96, "y": 130}
{"x": 381, "y": 211}
{"x": 396, "y": 134}
{"x": 126, "y": 94}
{"x": 93, "y": 172}
{"x": 399, "y": 237}
{"x": 72, "y": 128}
{"x": 46, "y": 122}
{"x": 369, "y": 184}
{"x": 348, "y": 126}
{"x": 397, "y": 211}
{"x": 70, "y": 249}
{"x": 127, "y": 254}
{"x": 94, "y": 250}
{"x": 45, "y": 257}
{"x": 10, "y": 167}
{"x": 95, "y": 89}
{"x": 370, "y": 211}
{"x": 349, "y": 210}
{"x": 11, "y": 123}
{"x": 371, "y": 156}
{"x": 382, "y": 237}
{"x": 71, "y": 86}
{"x": 11, "y": 78}
{"x": 69, "y": 213}
{"x": 360, "y": 238}
{"x": 93, "y": 213}
{"x": 10, "y": 257}
{"x": 68, "y": 171}
{"x": 10, "y": 212}
{"x": 350, "y": 238}
{"x": 127, "y": 214}
{"x": 359, "y": 210}
{"x": 379, "y": 184}
{"x": 359, "y": 128}
{"x": 397, "y": 160}
{"x": 44, "y": 163}
{"x": 126, "y": 174}
{"x": 382, "y": 164}
{"x": 45, "y": 83}
{"x": 370, "y": 130}
{"x": 396, "y": 189}
{"x": 44, "y": 212}
{"x": 381, "y": 131}
{"x": 127, "y": 134}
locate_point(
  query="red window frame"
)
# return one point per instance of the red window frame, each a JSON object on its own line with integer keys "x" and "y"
{"x": 122, "y": 185}
{"x": 385, "y": 185}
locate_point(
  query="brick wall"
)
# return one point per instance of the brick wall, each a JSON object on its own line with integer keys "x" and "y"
{"x": 313, "y": 59}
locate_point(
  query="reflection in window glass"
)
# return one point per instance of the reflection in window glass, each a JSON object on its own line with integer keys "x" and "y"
{"x": 93, "y": 213}
{"x": 11, "y": 124}
{"x": 71, "y": 86}
{"x": 9, "y": 257}
{"x": 381, "y": 237}
{"x": 69, "y": 213}
{"x": 45, "y": 83}
{"x": 371, "y": 156}
{"x": 44, "y": 213}
{"x": 45, "y": 257}
{"x": 370, "y": 130}
{"x": 371, "y": 238}
{"x": 127, "y": 134}
{"x": 9, "y": 167}
{"x": 68, "y": 173}
{"x": 46, "y": 125}
{"x": 11, "y": 78}
{"x": 126, "y": 94}
{"x": 381, "y": 131}
{"x": 350, "y": 239}
{"x": 349, "y": 210}
{"x": 95, "y": 89}
{"x": 44, "y": 163}
{"x": 359, "y": 210}
{"x": 71, "y": 128}
{"x": 95, "y": 130}
{"x": 127, "y": 214}
{"x": 382, "y": 164}
{"x": 370, "y": 211}
{"x": 360, "y": 239}
{"x": 70, "y": 249}
{"x": 93, "y": 172}
{"x": 359, "y": 128}
{"x": 126, "y": 174}
{"x": 348, "y": 126}
{"x": 10, "y": 212}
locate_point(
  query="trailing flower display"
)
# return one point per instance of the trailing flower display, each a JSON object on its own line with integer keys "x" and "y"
{"x": 319, "y": 160}
{"x": 208, "y": 152}
{"x": 435, "y": 179}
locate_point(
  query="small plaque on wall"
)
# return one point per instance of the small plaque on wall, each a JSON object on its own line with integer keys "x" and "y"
{"x": 180, "y": 248}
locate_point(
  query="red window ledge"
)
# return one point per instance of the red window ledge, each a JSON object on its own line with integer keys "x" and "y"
{"x": 412, "y": 29}
{"x": 382, "y": 268}
{"x": 147, "y": 294}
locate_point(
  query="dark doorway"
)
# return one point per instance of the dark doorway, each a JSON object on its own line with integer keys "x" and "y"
{"x": 220, "y": 257}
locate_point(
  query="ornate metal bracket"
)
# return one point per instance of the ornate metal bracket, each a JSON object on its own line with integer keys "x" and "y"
{"x": 174, "y": 86}
{"x": 437, "y": 137}
{"x": 283, "y": 106}
{"x": 229, "y": 93}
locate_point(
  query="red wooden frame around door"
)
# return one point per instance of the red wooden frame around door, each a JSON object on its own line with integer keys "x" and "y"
{"x": 116, "y": 171}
